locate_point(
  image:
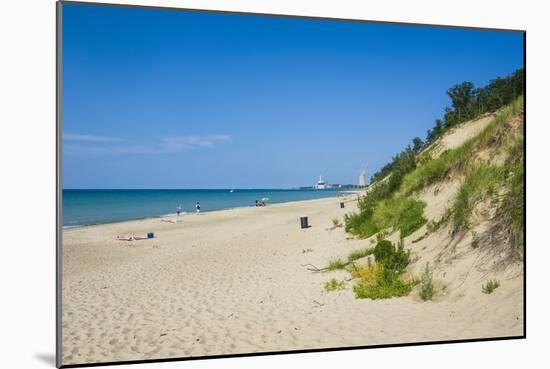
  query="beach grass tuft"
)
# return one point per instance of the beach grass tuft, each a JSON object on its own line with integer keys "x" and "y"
{"x": 426, "y": 284}
{"x": 337, "y": 264}
{"x": 361, "y": 253}
{"x": 334, "y": 285}
{"x": 490, "y": 286}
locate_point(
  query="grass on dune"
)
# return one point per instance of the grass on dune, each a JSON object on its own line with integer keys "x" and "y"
{"x": 390, "y": 206}
{"x": 404, "y": 214}
{"x": 411, "y": 216}
{"x": 435, "y": 170}
{"x": 490, "y": 286}
{"x": 480, "y": 181}
{"x": 426, "y": 284}
{"x": 337, "y": 264}
{"x": 456, "y": 159}
{"x": 512, "y": 207}
{"x": 361, "y": 253}
{"x": 334, "y": 285}
{"x": 484, "y": 180}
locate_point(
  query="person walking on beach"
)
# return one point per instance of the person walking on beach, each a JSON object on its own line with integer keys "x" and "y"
{"x": 178, "y": 210}
{"x": 198, "y": 207}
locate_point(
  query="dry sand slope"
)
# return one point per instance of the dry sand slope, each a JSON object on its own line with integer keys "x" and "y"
{"x": 233, "y": 282}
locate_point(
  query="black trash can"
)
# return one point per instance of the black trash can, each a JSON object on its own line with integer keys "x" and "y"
{"x": 342, "y": 205}
{"x": 303, "y": 222}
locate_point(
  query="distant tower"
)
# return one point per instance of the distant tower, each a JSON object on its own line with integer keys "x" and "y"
{"x": 362, "y": 180}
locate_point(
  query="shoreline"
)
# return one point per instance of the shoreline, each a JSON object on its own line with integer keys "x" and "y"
{"x": 184, "y": 214}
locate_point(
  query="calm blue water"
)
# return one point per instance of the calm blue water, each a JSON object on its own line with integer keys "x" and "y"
{"x": 87, "y": 207}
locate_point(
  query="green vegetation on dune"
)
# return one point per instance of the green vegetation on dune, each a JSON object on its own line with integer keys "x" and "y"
{"x": 512, "y": 206}
{"x": 481, "y": 181}
{"x": 379, "y": 280}
{"x": 392, "y": 257}
{"x": 383, "y": 279}
{"x": 390, "y": 204}
{"x": 467, "y": 103}
{"x": 358, "y": 254}
{"x": 334, "y": 285}
{"x": 337, "y": 264}
{"x": 382, "y": 285}
{"x": 435, "y": 170}
{"x": 490, "y": 286}
{"x": 404, "y": 214}
{"x": 411, "y": 216}
{"x": 456, "y": 159}
{"x": 426, "y": 284}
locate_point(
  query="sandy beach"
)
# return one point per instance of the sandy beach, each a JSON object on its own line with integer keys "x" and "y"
{"x": 235, "y": 281}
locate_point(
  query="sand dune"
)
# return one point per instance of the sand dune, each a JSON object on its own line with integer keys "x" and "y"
{"x": 456, "y": 136}
{"x": 234, "y": 281}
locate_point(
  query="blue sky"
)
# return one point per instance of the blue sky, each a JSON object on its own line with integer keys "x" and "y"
{"x": 169, "y": 99}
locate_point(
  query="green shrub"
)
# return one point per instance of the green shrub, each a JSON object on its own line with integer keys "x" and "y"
{"x": 490, "y": 286}
{"x": 382, "y": 284}
{"x": 382, "y": 280}
{"x": 426, "y": 284}
{"x": 393, "y": 258}
{"x": 383, "y": 250}
{"x": 334, "y": 285}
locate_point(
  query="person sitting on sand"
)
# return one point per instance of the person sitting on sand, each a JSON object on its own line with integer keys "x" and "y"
{"x": 198, "y": 207}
